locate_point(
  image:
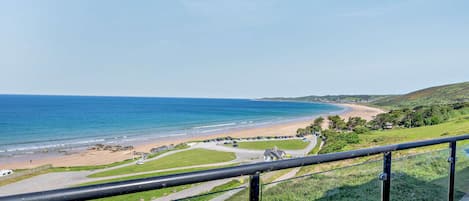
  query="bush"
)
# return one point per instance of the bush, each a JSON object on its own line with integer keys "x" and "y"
{"x": 361, "y": 130}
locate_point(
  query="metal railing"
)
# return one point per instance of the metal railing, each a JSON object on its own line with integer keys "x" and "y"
{"x": 252, "y": 170}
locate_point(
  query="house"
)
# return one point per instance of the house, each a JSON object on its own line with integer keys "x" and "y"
{"x": 161, "y": 149}
{"x": 274, "y": 154}
{"x": 388, "y": 125}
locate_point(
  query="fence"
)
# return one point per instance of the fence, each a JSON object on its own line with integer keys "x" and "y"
{"x": 254, "y": 171}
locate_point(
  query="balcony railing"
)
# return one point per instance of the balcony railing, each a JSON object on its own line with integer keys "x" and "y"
{"x": 254, "y": 171}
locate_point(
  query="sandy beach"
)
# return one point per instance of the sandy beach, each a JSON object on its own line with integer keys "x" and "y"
{"x": 106, "y": 157}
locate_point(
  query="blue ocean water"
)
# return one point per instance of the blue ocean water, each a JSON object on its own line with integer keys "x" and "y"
{"x": 29, "y": 122}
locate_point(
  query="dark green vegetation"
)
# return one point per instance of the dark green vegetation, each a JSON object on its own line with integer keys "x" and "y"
{"x": 419, "y": 116}
{"x": 181, "y": 159}
{"x": 446, "y": 94}
{"x": 334, "y": 98}
{"x": 336, "y": 141}
{"x": 281, "y": 144}
{"x": 343, "y": 133}
{"x": 316, "y": 148}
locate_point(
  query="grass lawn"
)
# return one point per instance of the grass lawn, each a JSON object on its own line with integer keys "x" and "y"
{"x": 180, "y": 159}
{"x": 420, "y": 177}
{"x": 281, "y": 144}
{"x": 213, "y": 193}
{"x": 315, "y": 150}
{"x": 149, "y": 195}
{"x": 154, "y": 175}
{"x": 454, "y": 127}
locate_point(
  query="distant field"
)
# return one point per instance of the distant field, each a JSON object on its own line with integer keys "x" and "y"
{"x": 281, "y": 144}
{"x": 181, "y": 159}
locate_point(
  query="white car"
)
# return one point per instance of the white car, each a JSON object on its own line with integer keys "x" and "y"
{"x": 140, "y": 162}
{"x": 5, "y": 172}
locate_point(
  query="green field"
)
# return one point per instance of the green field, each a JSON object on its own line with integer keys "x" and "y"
{"x": 149, "y": 195}
{"x": 268, "y": 144}
{"x": 455, "y": 126}
{"x": 315, "y": 150}
{"x": 445, "y": 94}
{"x": 180, "y": 159}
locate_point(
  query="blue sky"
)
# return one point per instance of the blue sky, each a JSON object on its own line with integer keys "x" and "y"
{"x": 182, "y": 48}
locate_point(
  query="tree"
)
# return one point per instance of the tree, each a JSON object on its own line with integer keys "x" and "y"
{"x": 318, "y": 121}
{"x": 337, "y": 123}
{"x": 354, "y": 122}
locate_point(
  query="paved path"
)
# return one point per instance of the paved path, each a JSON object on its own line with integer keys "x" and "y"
{"x": 288, "y": 175}
{"x": 198, "y": 189}
{"x": 43, "y": 182}
{"x": 57, "y": 180}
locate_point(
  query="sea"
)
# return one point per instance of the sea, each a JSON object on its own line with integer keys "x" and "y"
{"x": 31, "y": 123}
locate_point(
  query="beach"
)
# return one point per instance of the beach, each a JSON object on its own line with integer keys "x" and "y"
{"x": 91, "y": 157}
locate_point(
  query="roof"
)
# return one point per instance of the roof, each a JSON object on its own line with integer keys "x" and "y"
{"x": 277, "y": 153}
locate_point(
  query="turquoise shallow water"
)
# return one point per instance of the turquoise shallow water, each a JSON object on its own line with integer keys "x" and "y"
{"x": 31, "y": 122}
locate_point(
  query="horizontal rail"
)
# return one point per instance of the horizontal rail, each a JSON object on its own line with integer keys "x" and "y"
{"x": 153, "y": 183}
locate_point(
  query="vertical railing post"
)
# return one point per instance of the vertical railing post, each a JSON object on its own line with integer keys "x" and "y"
{"x": 385, "y": 177}
{"x": 452, "y": 169}
{"x": 254, "y": 187}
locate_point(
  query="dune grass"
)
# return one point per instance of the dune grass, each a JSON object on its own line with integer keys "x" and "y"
{"x": 423, "y": 177}
{"x": 268, "y": 144}
{"x": 180, "y": 159}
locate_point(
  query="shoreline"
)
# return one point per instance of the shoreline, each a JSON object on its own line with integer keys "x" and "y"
{"x": 89, "y": 157}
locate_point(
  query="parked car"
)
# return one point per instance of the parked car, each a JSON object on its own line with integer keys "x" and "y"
{"x": 5, "y": 172}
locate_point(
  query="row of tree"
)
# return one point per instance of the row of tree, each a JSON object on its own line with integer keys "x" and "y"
{"x": 418, "y": 116}
{"x": 341, "y": 132}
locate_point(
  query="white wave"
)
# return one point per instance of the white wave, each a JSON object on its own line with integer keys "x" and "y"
{"x": 215, "y": 125}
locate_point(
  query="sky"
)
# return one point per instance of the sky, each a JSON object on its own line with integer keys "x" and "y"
{"x": 231, "y": 49}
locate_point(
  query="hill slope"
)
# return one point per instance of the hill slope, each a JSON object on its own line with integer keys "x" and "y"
{"x": 333, "y": 98}
{"x": 444, "y": 94}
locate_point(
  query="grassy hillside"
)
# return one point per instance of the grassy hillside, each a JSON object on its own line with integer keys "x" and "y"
{"x": 422, "y": 175}
{"x": 333, "y": 98}
{"x": 445, "y": 94}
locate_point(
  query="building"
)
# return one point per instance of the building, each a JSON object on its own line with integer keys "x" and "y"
{"x": 388, "y": 125}
{"x": 274, "y": 154}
